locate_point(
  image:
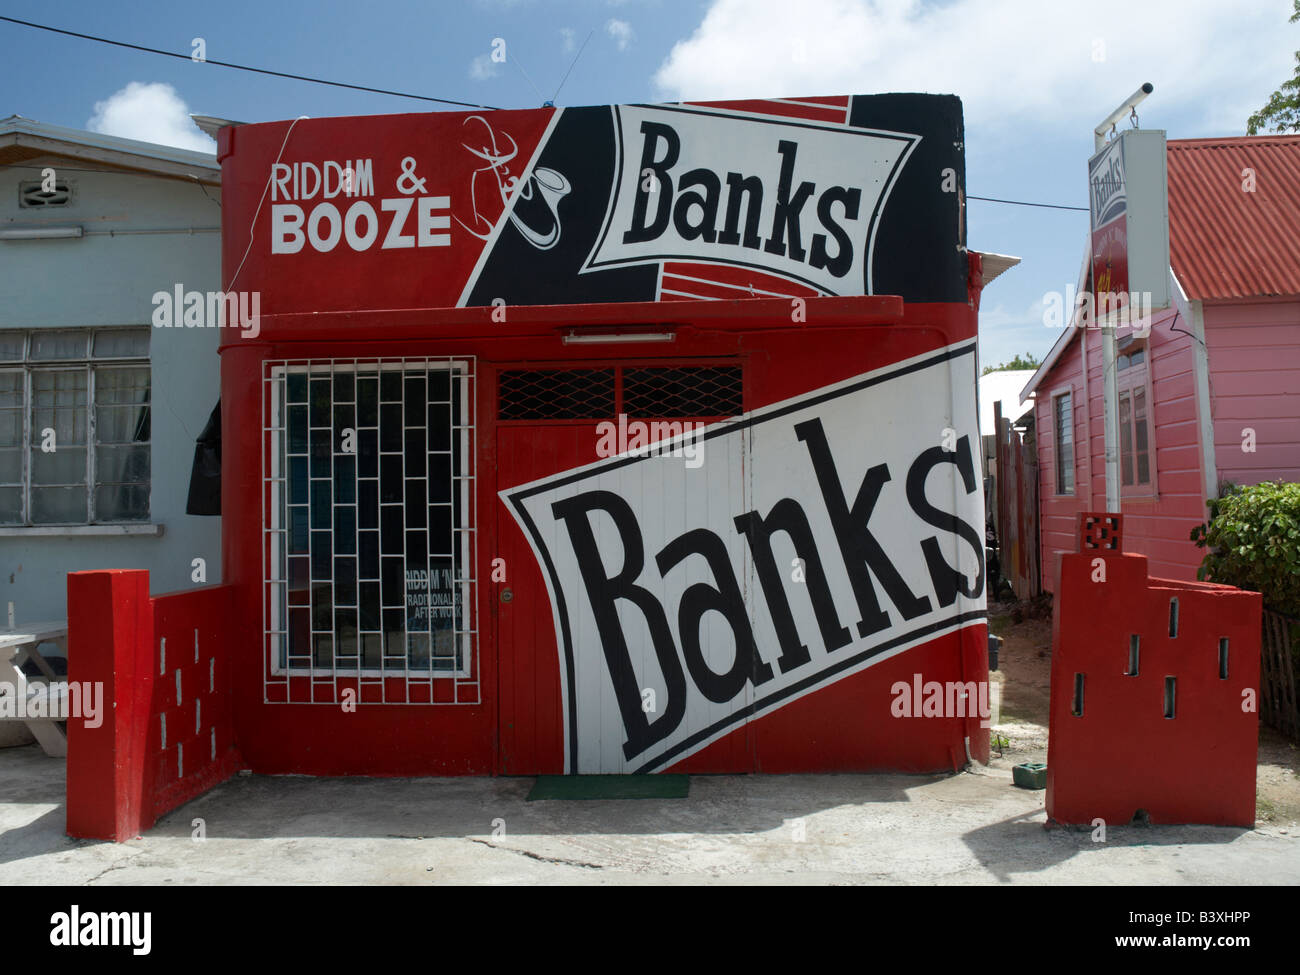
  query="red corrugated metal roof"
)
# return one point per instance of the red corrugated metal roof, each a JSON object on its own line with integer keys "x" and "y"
{"x": 1225, "y": 242}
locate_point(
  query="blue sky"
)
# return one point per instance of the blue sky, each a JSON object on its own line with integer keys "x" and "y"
{"x": 1034, "y": 76}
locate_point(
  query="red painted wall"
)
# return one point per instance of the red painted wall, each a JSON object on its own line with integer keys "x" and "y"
{"x": 1123, "y": 754}
{"x": 167, "y": 733}
{"x": 381, "y": 298}
{"x": 516, "y": 728}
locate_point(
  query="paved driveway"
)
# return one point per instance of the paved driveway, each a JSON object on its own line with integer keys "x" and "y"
{"x": 973, "y": 828}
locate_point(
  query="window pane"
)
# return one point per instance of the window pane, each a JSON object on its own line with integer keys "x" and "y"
{"x": 121, "y": 387}
{"x": 122, "y": 424}
{"x": 1140, "y": 436}
{"x": 11, "y": 427}
{"x": 59, "y": 403}
{"x": 65, "y": 344}
{"x": 122, "y": 342}
{"x": 11, "y": 408}
{"x": 59, "y": 505}
{"x": 1135, "y": 358}
{"x": 1125, "y": 439}
{"x": 127, "y": 463}
{"x": 122, "y": 502}
{"x": 11, "y": 345}
{"x": 11, "y": 506}
{"x": 67, "y": 465}
{"x": 11, "y": 388}
{"x": 11, "y": 466}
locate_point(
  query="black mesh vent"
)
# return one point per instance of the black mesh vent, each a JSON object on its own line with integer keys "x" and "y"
{"x": 556, "y": 394}
{"x": 682, "y": 391}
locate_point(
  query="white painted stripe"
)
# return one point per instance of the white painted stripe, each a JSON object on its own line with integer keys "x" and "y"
{"x": 747, "y": 289}
{"x": 687, "y": 294}
{"x": 795, "y": 101}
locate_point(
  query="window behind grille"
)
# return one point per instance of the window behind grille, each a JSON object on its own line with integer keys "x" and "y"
{"x": 371, "y": 531}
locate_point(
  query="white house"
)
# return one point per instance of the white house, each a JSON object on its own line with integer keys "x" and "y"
{"x": 99, "y": 410}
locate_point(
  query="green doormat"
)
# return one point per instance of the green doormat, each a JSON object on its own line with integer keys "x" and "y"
{"x": 610, "y": 787}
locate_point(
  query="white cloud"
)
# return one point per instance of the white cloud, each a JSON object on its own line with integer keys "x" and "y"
{"x": 621, "y": 31}
{"x": 1011, "y": 61}
{"x": 567, "y": 40}
{"x": 149, "y": 112}
{"x": 483, "y": 67}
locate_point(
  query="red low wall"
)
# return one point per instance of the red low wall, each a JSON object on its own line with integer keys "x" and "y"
{"x": 1124, "y": 752}
{"x": 167, "y": 730}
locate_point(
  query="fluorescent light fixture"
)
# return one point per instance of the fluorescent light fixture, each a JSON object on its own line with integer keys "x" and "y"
{"x": 600, "y": 338}
{"x": 38, "y": 233}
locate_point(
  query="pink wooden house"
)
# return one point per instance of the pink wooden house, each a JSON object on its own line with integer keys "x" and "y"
{"x": 1212, "y": 393}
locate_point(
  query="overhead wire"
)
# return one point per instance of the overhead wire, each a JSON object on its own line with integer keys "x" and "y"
{"x": 243, "y": 67}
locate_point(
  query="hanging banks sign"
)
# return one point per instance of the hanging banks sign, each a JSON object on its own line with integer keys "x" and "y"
{"x": 1129, "y": 209}
{"x": 821, "y": 537}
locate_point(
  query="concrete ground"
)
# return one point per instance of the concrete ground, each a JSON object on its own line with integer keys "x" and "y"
{"x": 972, "y": 828}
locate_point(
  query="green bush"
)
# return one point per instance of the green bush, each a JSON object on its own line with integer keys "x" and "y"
{"x": 1253, "y": 542}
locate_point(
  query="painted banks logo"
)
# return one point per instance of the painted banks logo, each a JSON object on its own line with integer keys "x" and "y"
{"x": 1106, "y": 179}
{"x": 649, "y": 561}
{"x": 797, "y": 199}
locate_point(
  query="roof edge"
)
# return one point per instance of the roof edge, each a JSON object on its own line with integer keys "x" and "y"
{"x": 16, "y": 125}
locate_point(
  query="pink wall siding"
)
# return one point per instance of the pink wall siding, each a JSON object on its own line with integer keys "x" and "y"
{"x": 1056, "y": 513}
{"x": 1255, "y": 384}
{"x": 1156, "y": 524}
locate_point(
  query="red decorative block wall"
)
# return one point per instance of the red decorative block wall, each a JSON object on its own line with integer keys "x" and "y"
{"x": 1155, "y": 687}
{"x": 167, "y": 732}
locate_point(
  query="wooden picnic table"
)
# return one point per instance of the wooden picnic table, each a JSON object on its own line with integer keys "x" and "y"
{"x": 19, "y": 645}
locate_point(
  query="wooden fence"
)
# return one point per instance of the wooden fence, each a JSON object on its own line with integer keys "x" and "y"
{"x": 1017, "y": 501}
{"x": 1279, "y": 698}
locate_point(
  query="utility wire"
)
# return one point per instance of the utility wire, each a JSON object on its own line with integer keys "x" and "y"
{"x": 242, "y": 67}
{"x": 571, "y": 64}
{"x": 1022, "y": 203}
{"x": 69, "y": 169}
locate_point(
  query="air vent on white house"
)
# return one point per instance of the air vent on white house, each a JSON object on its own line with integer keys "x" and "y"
{"x": 30, "y": 194}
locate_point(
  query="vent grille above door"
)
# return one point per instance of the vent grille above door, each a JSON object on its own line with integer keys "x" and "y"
{"x": 556, "y": 394}
{"x": 668, "y": 391}
{"x": 682, "y": 391}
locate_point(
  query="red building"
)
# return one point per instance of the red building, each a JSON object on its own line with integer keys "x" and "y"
{"x": 1212, "y": 393}
{"x": 619, "y": 439}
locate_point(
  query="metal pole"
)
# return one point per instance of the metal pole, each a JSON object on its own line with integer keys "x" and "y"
{"x": 1109, "y": 393}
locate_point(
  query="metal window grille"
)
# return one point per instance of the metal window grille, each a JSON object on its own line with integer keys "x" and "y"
{"x": 369, "y": 518}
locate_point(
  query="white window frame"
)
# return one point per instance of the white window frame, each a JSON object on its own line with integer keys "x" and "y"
{"x": 88, "y": 363}
{"x": 1127, "y": 380}
{"x": 275, "y": 549}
